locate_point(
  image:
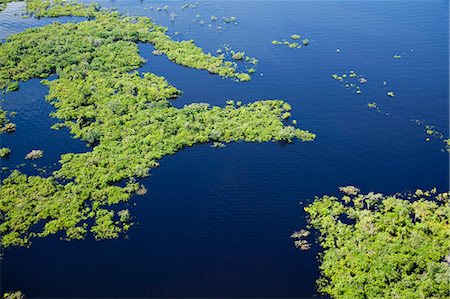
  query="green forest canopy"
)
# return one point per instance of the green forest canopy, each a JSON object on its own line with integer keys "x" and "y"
{"x": 124, "y": 115}
{"x": 378, "y": 246}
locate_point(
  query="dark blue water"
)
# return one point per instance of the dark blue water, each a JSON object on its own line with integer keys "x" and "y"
{"x": 216, "y": 222}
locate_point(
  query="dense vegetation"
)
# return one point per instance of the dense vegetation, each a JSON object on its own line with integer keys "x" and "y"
{"x": 5, "y": 125}
{"x": 39, "y": 52}
{"x": 378, "y": 246}
{"x": 124, "y": 115}
{"x": 14, "y": 295}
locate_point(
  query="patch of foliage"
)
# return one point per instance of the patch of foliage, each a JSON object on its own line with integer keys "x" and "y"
{"x": 447, "y": 144}
{"x": 5, "y": 125}
{"x": 34, "y": 154}
{"x": 238, "y": 55}
{"x": 40, "y": 52}
{"x": 4, "y": 151}
{"x": 125, "y": 116}
{"x": 292, "y": 45}
{"x": 228, "y": 20}
{"x": 240, "y": 58}
{"x": 3, "y": 4}
{"x": 14, "y": 295}
{"x": 431, "y": 131}
{"x": 218, "y": 145}
{"x": 373, "y": 105}
{"x": 350, "y": 81}
{"x": 349, "y": 190}
{"x": 378, "y": 246}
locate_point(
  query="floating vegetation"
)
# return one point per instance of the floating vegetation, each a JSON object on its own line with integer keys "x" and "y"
{"x": 447, "y": 144}
{"x": 388, "y": 246}
{"x": 391, "y": 94}
{"x": 141, "y": 191}
{"x": 430, "y": 131}
{"x": 337, "y": 77}
{"x": 34, "y": 154}
{"x": 4, "y": 151}
{"x": 372, "y": 105}
{"x": 351, "y": 80}
{"x": 238, "y": 55}
{"x": 124, "y": 115}
{"x": 5, "y": 125}
{"x": 218, "y": 145}
{"x": 249, "y": 63}
{"x": 349, "y": 190}
{"x": 228, "y": 20}
{"x": 398, "y": 56}
{"x": 291, "y": 45}
{"x": 9, "y": 128}
{"x": 189, "y": 5}
{"x": 14, "y": 295}
{"x": 301, "y": 243}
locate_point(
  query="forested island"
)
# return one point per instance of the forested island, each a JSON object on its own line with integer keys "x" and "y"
{"x": 125, "y": 116}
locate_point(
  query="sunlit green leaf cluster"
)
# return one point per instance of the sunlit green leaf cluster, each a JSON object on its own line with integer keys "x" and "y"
{"x": 125, "y": 116}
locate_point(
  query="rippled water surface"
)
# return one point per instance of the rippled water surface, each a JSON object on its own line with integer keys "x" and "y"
{"x": 216, "y": 222}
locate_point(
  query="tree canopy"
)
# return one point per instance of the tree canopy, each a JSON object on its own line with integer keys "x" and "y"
{"x": 125, "y": 116}
{"x": 378, "y": 246}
